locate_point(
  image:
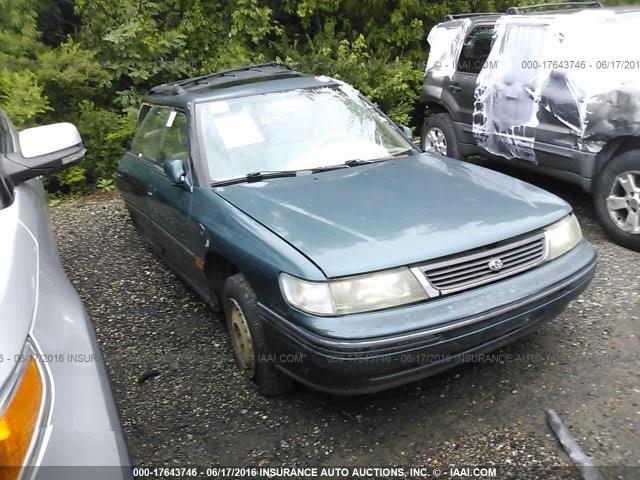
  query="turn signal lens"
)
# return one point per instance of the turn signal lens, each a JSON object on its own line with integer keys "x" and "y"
{"x": 19, "y": 419}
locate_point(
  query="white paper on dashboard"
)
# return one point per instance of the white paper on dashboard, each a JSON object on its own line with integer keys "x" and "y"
{"x": 238, "y": 130}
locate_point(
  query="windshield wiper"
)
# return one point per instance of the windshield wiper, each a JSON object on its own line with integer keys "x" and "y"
{"x": 328, "y": 168}
{"x": 266, "y": 174}
{"x": 256, "y": 177}
{"x": 349, "y": 163}
{"x": 359, "y": 161}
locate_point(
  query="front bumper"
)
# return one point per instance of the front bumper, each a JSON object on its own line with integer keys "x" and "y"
{"x": 455, "y": 329}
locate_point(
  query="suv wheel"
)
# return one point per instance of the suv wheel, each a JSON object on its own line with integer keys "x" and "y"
{"x": 439, "y": 136}
{"x": 250, "y": 347}
{"x": 617, "y": 199}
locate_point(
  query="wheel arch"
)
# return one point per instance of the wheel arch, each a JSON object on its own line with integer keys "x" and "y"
{"x": 433, "y": 108}
{"x": 614, "y": 147}
{"x": 217, "y": 268}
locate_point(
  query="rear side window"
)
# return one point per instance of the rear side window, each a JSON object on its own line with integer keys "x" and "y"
{"x": 162, "y": 135}
{"x": 475, "y": 49}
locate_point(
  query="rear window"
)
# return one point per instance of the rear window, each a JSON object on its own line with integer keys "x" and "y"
{"x": 475, "y": 49}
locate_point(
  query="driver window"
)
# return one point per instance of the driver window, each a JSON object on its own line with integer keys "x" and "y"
{"x": 162, "y": 135}
{"x": 176, "y": 141}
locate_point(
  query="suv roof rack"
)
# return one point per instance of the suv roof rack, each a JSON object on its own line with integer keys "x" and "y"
{"x": 554, "y": 5}
{"x": 178, "y": 87}
{"x": 456, "y": 16}
{"x": 525, "y": 9}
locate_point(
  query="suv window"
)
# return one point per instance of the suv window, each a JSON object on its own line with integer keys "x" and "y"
{"x": 162, "y": 135}
{"x": 475, "y": 49}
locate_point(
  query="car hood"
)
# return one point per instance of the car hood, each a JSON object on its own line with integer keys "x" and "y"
{"x": 395, "y": 212}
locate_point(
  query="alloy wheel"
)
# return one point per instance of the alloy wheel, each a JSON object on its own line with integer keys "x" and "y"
{"x": 623, "y": 202}
{"x": 435, "y": 141}
{"x": 241, "y": 339}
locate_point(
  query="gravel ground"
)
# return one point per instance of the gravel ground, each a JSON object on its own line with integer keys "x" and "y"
{"x": 182, "y": 401}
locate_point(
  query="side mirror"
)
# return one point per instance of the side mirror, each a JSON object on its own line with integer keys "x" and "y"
{"x": 408, "y": 132}
{"x": 44, "y": 150}
{"x": 175, "y": 171}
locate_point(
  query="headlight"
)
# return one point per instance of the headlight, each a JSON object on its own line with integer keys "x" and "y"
{"x": 311, "y": 297}
{"x": 21, "y": 409}
{"x": 562, "y": 236}
{"x": 361, "y": 293}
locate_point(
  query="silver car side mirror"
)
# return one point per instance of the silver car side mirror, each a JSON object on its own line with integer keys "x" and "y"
{"x": 44, "y": 150}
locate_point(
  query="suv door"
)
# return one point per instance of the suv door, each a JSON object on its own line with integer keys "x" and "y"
{"x": 510, "y": 95}
{"x": 473, "y": 55}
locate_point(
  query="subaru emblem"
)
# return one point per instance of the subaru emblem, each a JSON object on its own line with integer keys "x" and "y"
{"x": 496, "y": 264}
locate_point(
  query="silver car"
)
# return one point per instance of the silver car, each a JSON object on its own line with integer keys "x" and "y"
{"x": 56, "y": 405}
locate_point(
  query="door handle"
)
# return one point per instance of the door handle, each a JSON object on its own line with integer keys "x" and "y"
{"x": 454, "y": 87}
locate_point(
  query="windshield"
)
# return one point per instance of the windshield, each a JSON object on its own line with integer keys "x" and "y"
{"x": 293, "y": 130}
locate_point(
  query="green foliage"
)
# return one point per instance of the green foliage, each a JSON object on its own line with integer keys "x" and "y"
{"x": 21, "y": 96}
{"x": 106, "y": 135}
{"x": 90, "y": 61}
{"x": 106, "y": 184}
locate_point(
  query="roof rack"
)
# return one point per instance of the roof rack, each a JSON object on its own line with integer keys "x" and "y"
{"x": 525, "y": 9}
{"x": 456, "y": 16}
{"x": 169, "y": 88}
{"x": 178, "y": 87}
{"x": 563, "y": 5}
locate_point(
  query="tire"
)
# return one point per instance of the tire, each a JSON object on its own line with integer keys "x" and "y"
{"x": 441, "y": 124}
{"x": 247, "y": 332}
{"x": 621, "y": 225}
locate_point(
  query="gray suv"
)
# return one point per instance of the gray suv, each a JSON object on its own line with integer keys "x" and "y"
{"x": 56, "y": 406}
{"x": 539, "y": 90}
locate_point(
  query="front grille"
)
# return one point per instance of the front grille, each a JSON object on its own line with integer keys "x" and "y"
{"x": 470, "y": 270}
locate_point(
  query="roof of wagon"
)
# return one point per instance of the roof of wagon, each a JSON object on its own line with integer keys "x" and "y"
{"x": 250, "y": 80}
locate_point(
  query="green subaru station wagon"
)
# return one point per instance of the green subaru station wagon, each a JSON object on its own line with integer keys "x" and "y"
{"x": 343, "y": 257}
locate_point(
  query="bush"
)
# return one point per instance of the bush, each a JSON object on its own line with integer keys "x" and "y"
{"x": 21, "y": 96}
{"x": 106, "y": 135}
{"x": 89, "y": 61}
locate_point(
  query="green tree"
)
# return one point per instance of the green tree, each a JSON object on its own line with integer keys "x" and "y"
{"x": 91, "y": 61}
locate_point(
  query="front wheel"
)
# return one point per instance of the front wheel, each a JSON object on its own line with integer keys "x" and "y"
{"x": 439, "y": 136}
{"x": 617, "y": 199}
{"x": 252, "y": 353}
